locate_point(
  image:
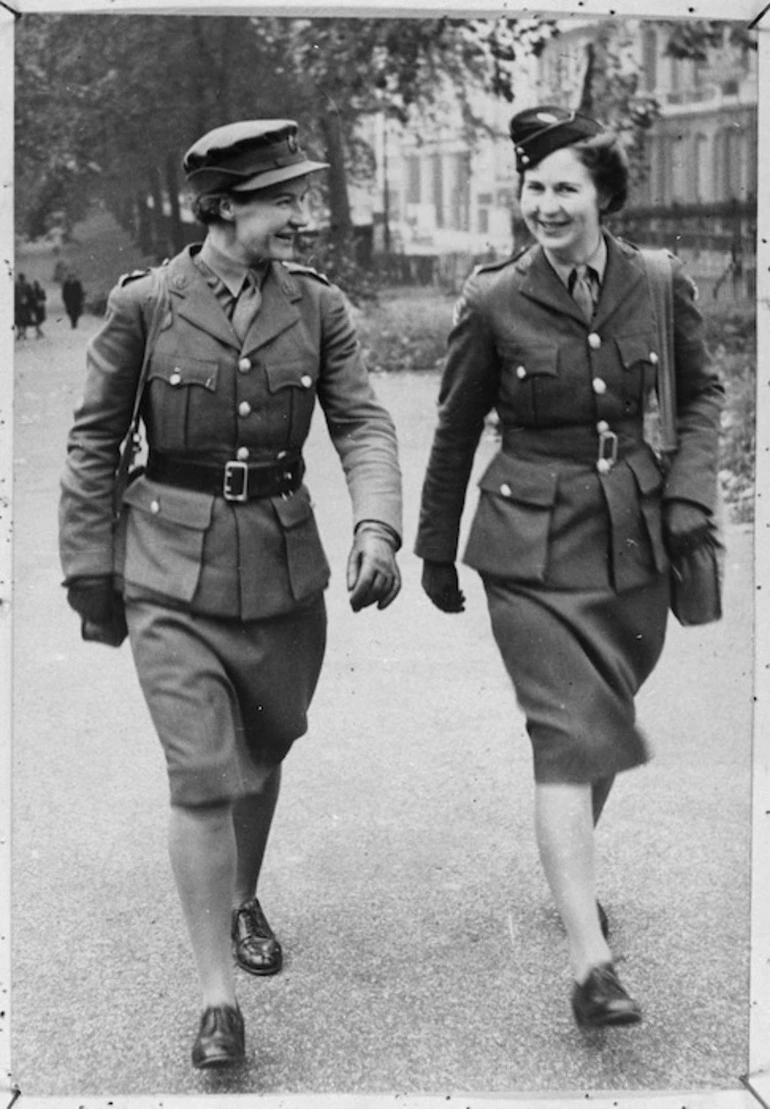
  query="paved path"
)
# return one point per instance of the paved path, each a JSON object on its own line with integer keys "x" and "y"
{"x": 423, "y": 955}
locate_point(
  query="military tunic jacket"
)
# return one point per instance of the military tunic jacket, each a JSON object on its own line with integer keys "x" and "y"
{"x": 211, "y": 398}
{"x": 547, "y": 514}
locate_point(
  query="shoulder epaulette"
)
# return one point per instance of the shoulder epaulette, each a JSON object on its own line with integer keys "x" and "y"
{"x": 501, "y": 263}
{"x": 127, "y": 278}
{"x": 297, "y": 267}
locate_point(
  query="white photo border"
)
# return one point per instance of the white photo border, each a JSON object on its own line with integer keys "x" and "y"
{"x": 756, "y": 15}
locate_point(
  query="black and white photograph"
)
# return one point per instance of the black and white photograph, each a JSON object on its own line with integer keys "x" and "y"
{"x": 382, "y": 529}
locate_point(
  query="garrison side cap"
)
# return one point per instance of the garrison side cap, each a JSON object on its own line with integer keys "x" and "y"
{"x": 537, "y": 132}
{"x": 248, "y": 155}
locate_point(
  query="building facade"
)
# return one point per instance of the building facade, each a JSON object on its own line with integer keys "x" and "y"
{"x": 447, "y": 192}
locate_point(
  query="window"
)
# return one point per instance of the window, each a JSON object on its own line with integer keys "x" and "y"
{"x": 701, "y": 174}
{"x": 413, "y": 179}
{"x": 650, "y": 58}
{"x": 438, "y": 189}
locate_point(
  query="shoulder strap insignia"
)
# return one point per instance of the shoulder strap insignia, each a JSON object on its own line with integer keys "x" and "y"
{"x": 297, "y": 267}
{"x": 126, "y": 278}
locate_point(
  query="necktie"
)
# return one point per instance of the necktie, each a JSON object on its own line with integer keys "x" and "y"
{"x": 246, "y": 306}
{"x": 582, "y": 286}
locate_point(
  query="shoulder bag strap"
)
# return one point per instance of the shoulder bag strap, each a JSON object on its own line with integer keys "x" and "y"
{"x": 157, "y": 305}
{"x": 660, "y": 280}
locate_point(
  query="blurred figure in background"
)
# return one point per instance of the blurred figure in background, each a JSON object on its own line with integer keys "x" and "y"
{"x": 73, "y": 295}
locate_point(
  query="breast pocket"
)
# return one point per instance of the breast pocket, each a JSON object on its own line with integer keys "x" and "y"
{"x": 180, "y": 393}
{"x": 528, "y": 379}
{"x": 510, "y": 530}
{"x": 292, "y": 387}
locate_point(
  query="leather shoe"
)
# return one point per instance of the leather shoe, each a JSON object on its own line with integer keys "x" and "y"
{"x": 256, "y": 948}
{"x": 604, "y": 923}
{"x": 601, "y": 1000}
{"x": 220, "y": 1039}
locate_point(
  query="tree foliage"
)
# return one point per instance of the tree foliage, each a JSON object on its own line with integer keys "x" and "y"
{"x": 107, "y": 104}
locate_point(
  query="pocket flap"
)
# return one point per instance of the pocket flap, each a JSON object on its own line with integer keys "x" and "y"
{"x": 294, "y": 510}
{"x": 288, "y": 375}
{"x": 179, "y": 506}
{"x": 517, "y": 480}
{"x": 184, "y": 370}
{"x": 634, "y": 348}
{"x": 542, "y": 361}
{"x": 647, "y": 472}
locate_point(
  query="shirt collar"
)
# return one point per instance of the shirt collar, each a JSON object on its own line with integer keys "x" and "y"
{"x": 597, "y": 262}
{"x": 231, "y": 273}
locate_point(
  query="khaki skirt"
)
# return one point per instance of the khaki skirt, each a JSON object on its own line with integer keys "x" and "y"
{"x": 577, "y": 659}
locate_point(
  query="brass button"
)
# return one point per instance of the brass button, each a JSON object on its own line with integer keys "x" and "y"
{"x": 521, "y": 372}
{"x": 242, "y": 454}
{"x": 594, "y": 341}
{"x": 175, "y": 378}
{"x": 602, "y": 426}
{"x": 281, "y": 454}
{"x": 599, "y": 386}
{"x": 155, "y": 507}
{"x": 244, "y": 365}
{"x": 506, "y": 490}
{"x": 604, "y": 465}
{"x": 653, "y": 358}
{"x": 244, "y": 408}
{"x": 306, "y": 380}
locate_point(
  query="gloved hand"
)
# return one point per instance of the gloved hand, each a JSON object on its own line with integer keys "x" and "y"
{"x": 373, "y": 575}
{"x": 685, "y": 527}
{"x": 440, "y": 582}
{"x": 101, "y": 609}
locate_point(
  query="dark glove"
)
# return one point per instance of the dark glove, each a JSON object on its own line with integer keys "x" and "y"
{"x": 101, "y": 609}
{"x": 685, "y": 527}
{"x": 439, "y": 580}
{"x": 373, "y": 575}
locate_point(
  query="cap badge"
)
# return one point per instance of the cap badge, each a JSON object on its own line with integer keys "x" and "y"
{"x": 292, "y": 144}
{"x": 546, "y": 117}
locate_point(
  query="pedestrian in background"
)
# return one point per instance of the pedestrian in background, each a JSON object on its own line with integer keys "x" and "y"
{"x": 73, "y": 295}
{"x": 23, "y": 306}
{"x": 576, "y": 518}
{"x": 38, "y": 296}
{"x": 223, "y": 572}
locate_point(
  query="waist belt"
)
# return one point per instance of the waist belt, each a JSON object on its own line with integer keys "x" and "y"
{"x": 600, "y": 444}
{"x": 235, "y": 481}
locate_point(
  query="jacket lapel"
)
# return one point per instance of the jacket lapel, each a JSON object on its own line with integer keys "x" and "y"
{"x": 541, "y": 283}
{"x": 621, "y": 277}
{"x": 195, "y": 301}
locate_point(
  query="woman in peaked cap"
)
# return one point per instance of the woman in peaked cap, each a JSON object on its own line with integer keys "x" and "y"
{"x": 219, "y": 567}
{"x": 575, "y": 519}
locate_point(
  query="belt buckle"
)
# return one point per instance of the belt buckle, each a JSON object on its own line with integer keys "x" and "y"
{"x": 608, "y": 451}
{"x": 235, "y": 486}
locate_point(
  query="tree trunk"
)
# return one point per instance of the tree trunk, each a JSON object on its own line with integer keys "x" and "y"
{"x": 586, "y": 105}
{"x": 143, "y": 228}
{"x": 341, "y": 223}
{"x": 159, "y": 235}
{"x": 176, "y": 231}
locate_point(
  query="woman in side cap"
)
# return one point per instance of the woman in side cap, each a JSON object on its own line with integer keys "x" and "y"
{"x": 218, "y": 569}
{"x": 575, "y": 517}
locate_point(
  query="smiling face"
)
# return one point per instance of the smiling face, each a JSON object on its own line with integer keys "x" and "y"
{"x": 560, "y": 206}
{"x": 265, "y": 225}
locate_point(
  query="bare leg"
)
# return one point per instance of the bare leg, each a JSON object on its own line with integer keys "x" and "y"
{"x": 565, "y": 838}
{"x": 600, "y": 791}
{"x": 252, "y": 819}
{"x": 203, "y": 859}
